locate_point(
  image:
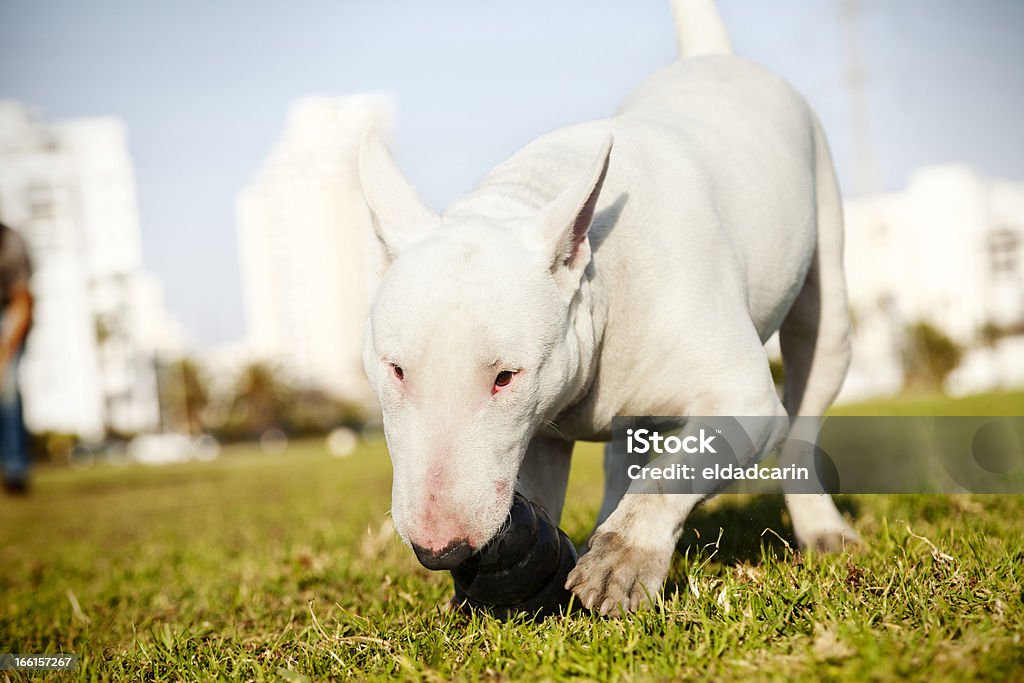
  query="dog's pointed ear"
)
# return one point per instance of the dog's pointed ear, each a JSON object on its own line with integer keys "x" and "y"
{"x": 565, "y": 223}
{"x": 400, "y": 218}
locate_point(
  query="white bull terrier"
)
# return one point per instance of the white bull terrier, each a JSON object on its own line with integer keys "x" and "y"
{"x": 580, "y": 281}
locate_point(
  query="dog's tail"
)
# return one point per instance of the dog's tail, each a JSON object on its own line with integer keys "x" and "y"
{"x": 699, "y": 29}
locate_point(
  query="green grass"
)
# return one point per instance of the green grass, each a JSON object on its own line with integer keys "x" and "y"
{"x": 282, "y": 568}
{"x": 1008, "y": 403}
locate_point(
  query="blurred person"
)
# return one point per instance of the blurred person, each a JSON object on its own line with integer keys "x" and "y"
{"x": 15, "y": 317}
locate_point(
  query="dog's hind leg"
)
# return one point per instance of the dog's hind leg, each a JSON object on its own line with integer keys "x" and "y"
{"x": 544, "y": 474}
{"x": 815, "y": 340}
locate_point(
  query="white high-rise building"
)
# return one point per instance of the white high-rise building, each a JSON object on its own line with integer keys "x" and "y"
{"x": 308, "y": 262}
{"x": 949, "y": 251}
{"x": 99, "y": 319}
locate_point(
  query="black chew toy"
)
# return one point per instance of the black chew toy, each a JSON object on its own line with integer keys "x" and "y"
{"x": 522, "y": 570}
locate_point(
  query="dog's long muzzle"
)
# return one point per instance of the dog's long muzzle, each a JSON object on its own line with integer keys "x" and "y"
{"x": 447, "y": 558}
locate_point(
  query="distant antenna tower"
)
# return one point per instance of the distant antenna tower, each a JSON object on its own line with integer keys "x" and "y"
{"x": 856, "y": 82}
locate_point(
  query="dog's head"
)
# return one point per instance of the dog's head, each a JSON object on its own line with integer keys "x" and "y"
{"x": 469, "y": 347}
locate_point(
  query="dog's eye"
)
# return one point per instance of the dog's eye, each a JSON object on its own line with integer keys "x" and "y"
{"x": 397, "y": 369}
{"x": 503, "y": 378}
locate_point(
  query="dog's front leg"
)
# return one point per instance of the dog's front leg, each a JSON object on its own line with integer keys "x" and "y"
{"x": 616, "y": 479}
{"x": 544, "y": 474}
{"x": 630, "y": 553}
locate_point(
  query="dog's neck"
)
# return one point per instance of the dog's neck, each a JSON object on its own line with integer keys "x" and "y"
{"x": 586, "y": 326}
{"x": 532, "y": 178}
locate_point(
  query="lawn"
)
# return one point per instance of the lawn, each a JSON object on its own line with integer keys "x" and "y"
{"x": 285, "y": 568}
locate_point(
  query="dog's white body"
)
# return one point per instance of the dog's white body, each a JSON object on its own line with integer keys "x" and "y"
{"x": 644, "y": 281}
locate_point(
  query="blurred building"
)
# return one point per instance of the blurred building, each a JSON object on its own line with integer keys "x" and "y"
{"x": 99, "y": 318}
{"x": 949, "y": 251}
{"x": 308, "y": 263}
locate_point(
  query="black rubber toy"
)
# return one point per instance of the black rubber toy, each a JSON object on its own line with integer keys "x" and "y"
{"x": 523, "y": 570}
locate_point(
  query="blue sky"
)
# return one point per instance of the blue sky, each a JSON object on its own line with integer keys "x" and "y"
{"x": 204, "y": 87}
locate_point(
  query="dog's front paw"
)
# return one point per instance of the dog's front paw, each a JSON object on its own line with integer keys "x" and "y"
{"x": 818, "y": 525}
{"x": 829, "y": 538}
{"x": 615, "y": 577}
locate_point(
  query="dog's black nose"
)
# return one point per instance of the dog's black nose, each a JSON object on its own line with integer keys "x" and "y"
{"x": 448, "y": 557}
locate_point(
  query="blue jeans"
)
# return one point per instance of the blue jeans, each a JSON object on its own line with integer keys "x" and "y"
{"x": 13, "y": 437}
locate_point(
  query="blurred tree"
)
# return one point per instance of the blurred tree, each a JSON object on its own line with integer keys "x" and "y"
{"x": 264, "y": 400}
{"x": 183, "y": 396}
{"x": 195, "y": 394}
{"x": 260, "y": 403}
{"x": 53, "y": 447}
{"x": 929, "y": 356}
{"x": 990, "y": 333}
{"x": 316, "y": 412}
